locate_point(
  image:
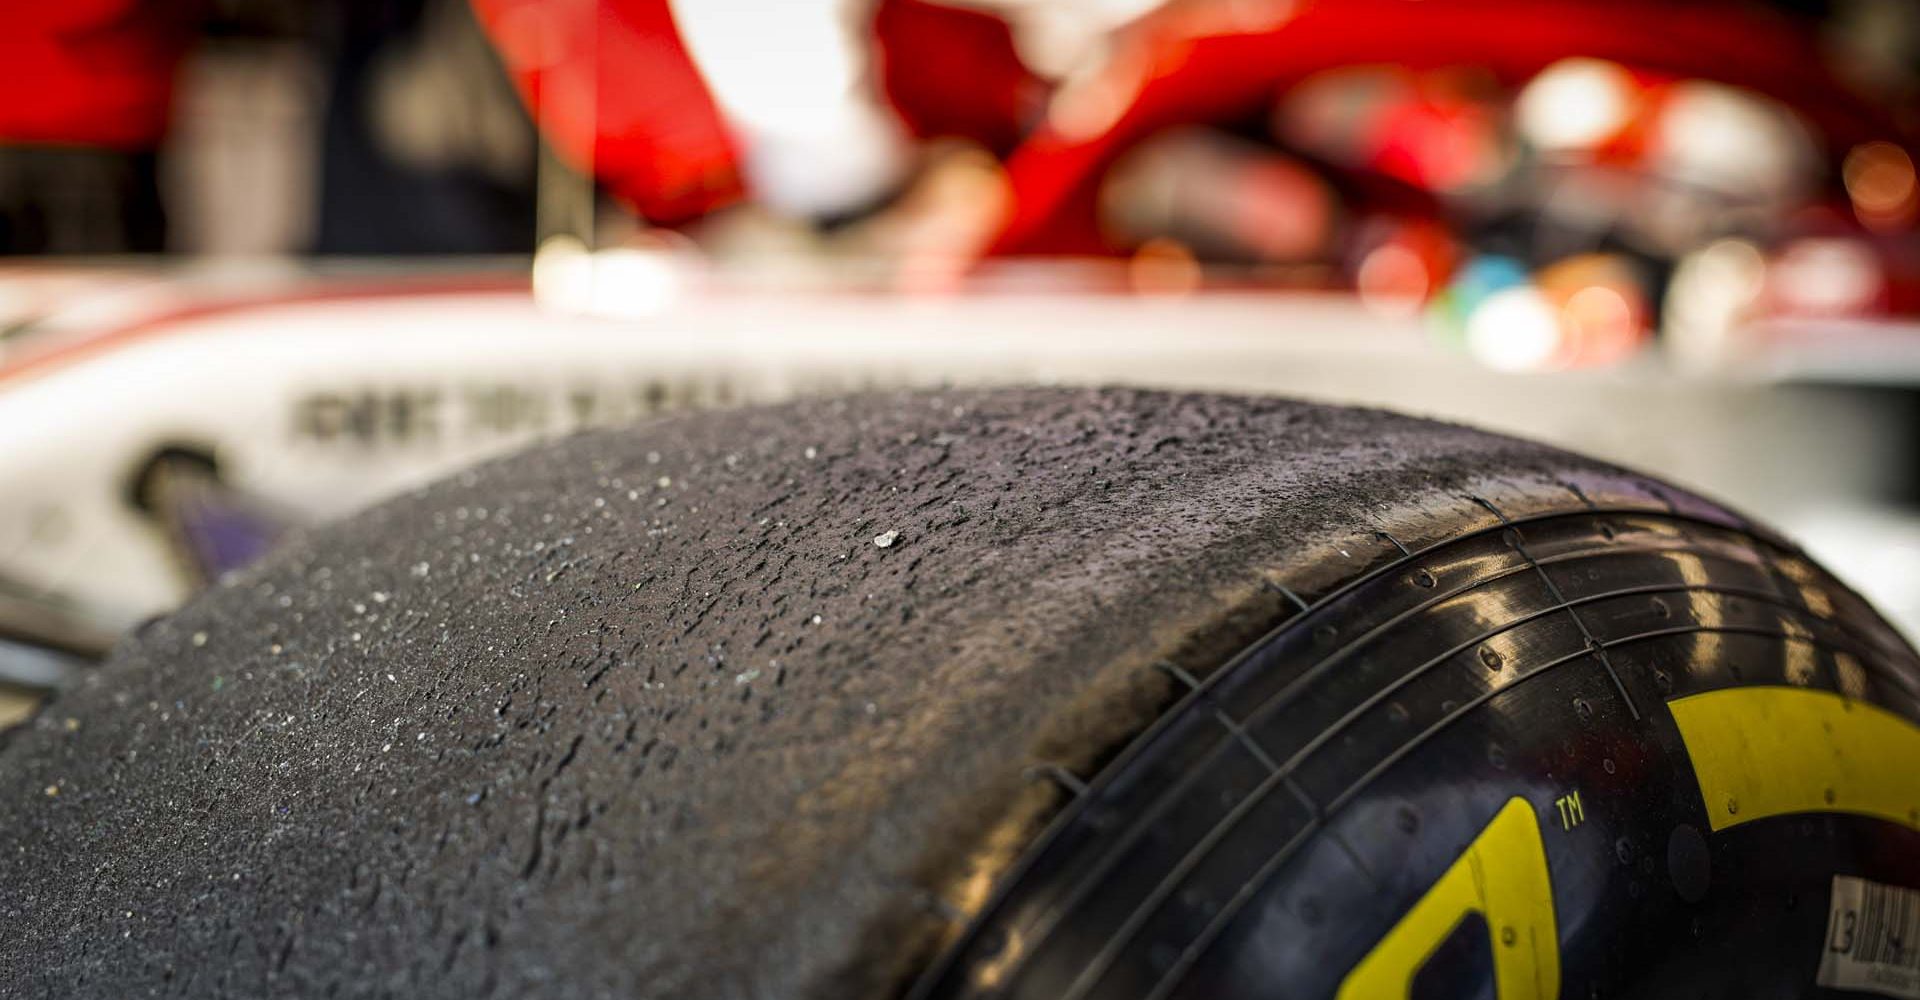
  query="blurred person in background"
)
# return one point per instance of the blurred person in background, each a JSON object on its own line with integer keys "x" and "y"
{"x": 419, "y": 144}
{"x": 424, "y": 148}
{"x": 84, "y": 106}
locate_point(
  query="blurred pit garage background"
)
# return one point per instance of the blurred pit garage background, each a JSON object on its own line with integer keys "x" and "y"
{"x": 268, "y": 261}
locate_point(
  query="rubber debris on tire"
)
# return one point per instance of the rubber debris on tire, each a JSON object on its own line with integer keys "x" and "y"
{"x": 1028, "y": 693}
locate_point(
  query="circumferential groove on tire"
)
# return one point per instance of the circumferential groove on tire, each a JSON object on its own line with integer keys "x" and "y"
{"x": 1139, "y": 876}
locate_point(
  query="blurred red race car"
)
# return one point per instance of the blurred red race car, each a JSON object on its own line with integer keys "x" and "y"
{"x": 1550, "y": 183}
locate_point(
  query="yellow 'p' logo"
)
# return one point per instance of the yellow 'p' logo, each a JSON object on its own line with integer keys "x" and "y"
{"x": 1503, "y": 877}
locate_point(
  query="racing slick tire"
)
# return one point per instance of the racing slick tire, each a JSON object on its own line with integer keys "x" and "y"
{"x": 1028, "y": 694}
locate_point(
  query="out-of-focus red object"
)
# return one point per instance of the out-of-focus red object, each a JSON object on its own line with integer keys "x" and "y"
{"x": 94, "y": 73}
{"x": 1172, "y": 74}
{"x": 949, "y": 71}
{"x": 1439, "y": 142}
{"x": 610, "y": 84}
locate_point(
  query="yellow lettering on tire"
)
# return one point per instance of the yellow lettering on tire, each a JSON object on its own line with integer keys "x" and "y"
{"x": 1773, "y": 751}
{"x": 1503, "y": 877}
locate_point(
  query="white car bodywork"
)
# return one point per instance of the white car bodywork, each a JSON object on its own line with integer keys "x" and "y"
{"x": 320, "y": 396}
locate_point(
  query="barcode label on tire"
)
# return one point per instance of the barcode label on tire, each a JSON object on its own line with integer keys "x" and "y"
{"x": 1873, "y": 939}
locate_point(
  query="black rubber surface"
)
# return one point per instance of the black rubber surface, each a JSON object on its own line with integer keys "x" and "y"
{"x": 767, "y": 703}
